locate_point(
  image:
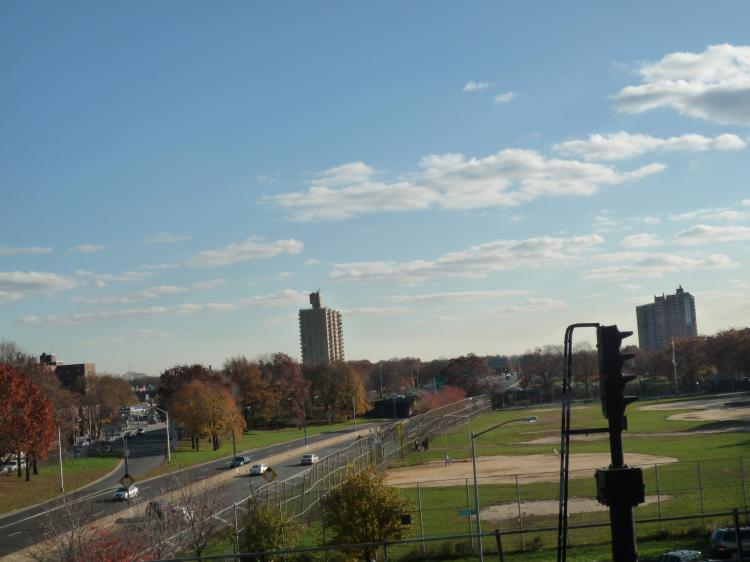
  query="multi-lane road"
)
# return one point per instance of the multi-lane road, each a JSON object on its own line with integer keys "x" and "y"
{"x": 28, "y": 527}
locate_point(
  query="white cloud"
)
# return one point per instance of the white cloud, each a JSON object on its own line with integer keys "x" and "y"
{"x": 504, "y": 98}
{"x": 721, "y": 214}
{"x": 149, "y": 293}
{"x": 746, "y": 202}
{"x": 631, "y": 287}
{"x": 375, "y": 311}
{"x": 209, "y": 284}
{"x": 638, "y": 265}
{"x": 622, "y": 145}
{"x": 21, "y": 251}
{"x": 345, "y": 174}
{"x": 118, "y": 314}
{"x": 9, "y": 296}
{"x": 166, "y": 238}
{"x": 474, "y": 262}
{"x": 472, "y": 86}
{"x": 642, "y": 240}
{"x": 456, "y": 296}
{"x": 312, "y": 261}
{"x": 87, "y": 248}
{"x": 105, "y": 279}
{"x": 248, "y": 250}
{"x": 533, "y": 305}
{"x": 324, "y": 203}
{"x": 15, "y": 283}
{"x": 704, "y": 234}
{"x": 453, "y": 181}
{"x": 285, "y": 297}
{"x": 713, "y": 85}
{"x": 651, "y": 220}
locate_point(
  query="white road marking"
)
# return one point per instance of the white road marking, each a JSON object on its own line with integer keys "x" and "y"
{"x": 16, "y": 533}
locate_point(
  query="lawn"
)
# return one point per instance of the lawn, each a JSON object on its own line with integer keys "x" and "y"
{"x": 16, "y": 493}
{"x": 185, "y": 456}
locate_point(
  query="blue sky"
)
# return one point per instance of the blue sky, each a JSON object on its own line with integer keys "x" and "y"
{"x": 454, "y": 177}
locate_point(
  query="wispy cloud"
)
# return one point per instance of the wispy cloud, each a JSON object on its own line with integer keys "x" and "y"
{"x": 713, "y": 85}
{"x": 472, "y": 86}
{"x": 637, "y": 265}
{"x": 166, "y": 238}
{"x": 375, "y": 311}
{"x": 118, "y": 314}
{"x": 87, "y": 248}
{"x": 704, "y": 234}
{"x": 285, "y": 297}
{"x": 456, "y": 296}
{"x": 312, "y": 261}
{"x": 105, "y": 279}
{"x": 622, "y": 145}
{"x": 453, "y": 181}
{"x": 345, "y": 174}
{"x": 149, "y": 293}
{"x": 532, "y": 305}
{"x": 641, "y": 240}
{"x": 21, "y": 251}
{"x": 251, "y": 249}
{"x": 14, "y": 285}
{"x": 720, "y": 214}
{"x": 504, "y": 98}
{"x": 476, "y": 261}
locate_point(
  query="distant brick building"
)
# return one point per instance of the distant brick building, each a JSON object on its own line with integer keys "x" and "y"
{"x": 670, "y": 316}
{"x": 321, "y": 333}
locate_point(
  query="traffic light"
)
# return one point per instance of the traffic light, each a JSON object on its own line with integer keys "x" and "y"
{"x": 611, "y": 380}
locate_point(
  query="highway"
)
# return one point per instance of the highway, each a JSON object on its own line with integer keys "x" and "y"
{"x": 27, "y": 527}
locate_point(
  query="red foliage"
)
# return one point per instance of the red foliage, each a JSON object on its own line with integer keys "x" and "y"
{"x": 448, "y": 395}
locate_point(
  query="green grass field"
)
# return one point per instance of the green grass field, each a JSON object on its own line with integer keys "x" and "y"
{"x": 16, "y": 493}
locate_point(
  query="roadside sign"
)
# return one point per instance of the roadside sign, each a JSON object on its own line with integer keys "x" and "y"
{"x": 127, "y": 480}
{"x": 467, "y": 512}
{"x": 270, "y": 475}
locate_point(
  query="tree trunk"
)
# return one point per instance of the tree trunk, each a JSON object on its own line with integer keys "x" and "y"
{"x": 28, "y": 474}
{"x": 36, "y": 469}
{"x": 18, "y": 458}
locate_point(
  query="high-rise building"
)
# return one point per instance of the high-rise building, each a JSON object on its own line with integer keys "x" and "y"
{"x": 670, "y": 316}
{"x": 320, "y": 333}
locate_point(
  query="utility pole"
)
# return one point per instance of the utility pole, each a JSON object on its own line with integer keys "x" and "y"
{"x": 619, "y": 487}
{"x": 354, "y": 411}
{"x": 674, "y": 371}
{"x": 59, "y": 454}
{"x": 380, "y": 370}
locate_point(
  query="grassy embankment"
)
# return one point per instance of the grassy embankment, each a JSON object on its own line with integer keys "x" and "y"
{"x": 16, "y": 493}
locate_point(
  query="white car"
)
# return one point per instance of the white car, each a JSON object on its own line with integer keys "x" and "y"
{"x": 258, "y": 469}
{"x": 309, "y": 458}
{"x": 126, "y": 493}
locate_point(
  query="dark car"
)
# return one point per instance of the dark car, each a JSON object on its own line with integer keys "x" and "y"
{"x": 724, "y": 541}
{"x": 140, "y": 431}
{"x": 239, "y": 461}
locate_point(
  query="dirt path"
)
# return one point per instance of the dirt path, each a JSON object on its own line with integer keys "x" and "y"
{"x": 502, "y": 469}
{"x": 548, "y": 507}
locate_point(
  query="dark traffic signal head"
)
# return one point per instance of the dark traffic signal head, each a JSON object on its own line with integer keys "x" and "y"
{"x": 611, "y": 380}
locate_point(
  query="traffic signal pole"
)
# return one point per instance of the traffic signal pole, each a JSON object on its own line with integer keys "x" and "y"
{"x": 619, "y": 487}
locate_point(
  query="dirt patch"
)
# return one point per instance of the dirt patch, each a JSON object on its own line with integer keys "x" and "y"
{"x": 729, "y": 428}
{"x": 502, "y": 469}
{"x": 702, "y": 404}
{"x": 716, "y": 414}
{"x": 548, "y": 507}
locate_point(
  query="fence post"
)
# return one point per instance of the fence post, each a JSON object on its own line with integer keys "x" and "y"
{"x": 520, "y": 515}
{"x": 421, "y": 519}
{"x": 499, "y": 543}
{"x": 325, "y": 541}
{"x": 385, "y": 551}
{"x": 738, "y": 535}
{"x": 744, "y": 489}
{"x": 700, "y": 486}
{"x": 468, "y": 508}
{"x": 658, "y": 497}
{"x": 236, "y": 530}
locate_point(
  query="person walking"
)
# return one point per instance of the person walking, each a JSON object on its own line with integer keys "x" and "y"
{"x": 447, "y": 459}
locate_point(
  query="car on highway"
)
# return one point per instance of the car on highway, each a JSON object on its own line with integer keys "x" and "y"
{"x": 239, "y": 461}
{"x": 681, "y": 556}
{"x": 125, "y": 493}
{"x": 309, "y": 458}
{"x": 724, "y": 541}
{"x": 258, "y": 469}
{"x": 140, "y": 431}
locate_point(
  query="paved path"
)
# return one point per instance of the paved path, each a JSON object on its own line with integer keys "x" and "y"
{"x": 25, "y": 528}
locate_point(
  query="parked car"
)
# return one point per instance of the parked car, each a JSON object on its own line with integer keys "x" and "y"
{"x": 11, "y": 466}
{"x": 239, "y": 461}
{"x": 140, "y": 431}
{"x": 724, "y": 541}
{"x": 125, "y": 493}
{"x": 681, "y": 556}
{"x": 258, "y": 469}
{"x": 309, "y": 458}
{"x": 166, "y": 510}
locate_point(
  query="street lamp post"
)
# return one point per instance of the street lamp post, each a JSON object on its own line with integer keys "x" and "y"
{"x": 354, "y": 411}
{"x": 125, "y": 453}
{"x": 528, "y": 419}
{"x": 169, "y": 449}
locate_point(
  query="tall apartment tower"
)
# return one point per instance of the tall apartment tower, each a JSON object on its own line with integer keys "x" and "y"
{"x": 320, "y": 333}
{"x": 670, "y": 316}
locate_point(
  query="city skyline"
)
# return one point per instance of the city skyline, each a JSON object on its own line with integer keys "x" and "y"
{"x": 177, "y": 179}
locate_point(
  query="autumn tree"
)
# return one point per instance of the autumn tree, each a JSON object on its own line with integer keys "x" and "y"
{"x": 338, "y": 388}
{"x": 585, "y": 366}
{"x": 542, "y": 368}
{"x": 267, "y": 527}
{"x": 105, "y": 394}
{"x": 289, "y": 387}
{"x": 466, "y": 372}
{"x": 254, "y": 389}
{"x": 364, "y": 510}
{"x": 206, "y": 410}
{"x": 432, "y": 400}
{"x": 27, "y": 425}
{"x": 174, "y": 378}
